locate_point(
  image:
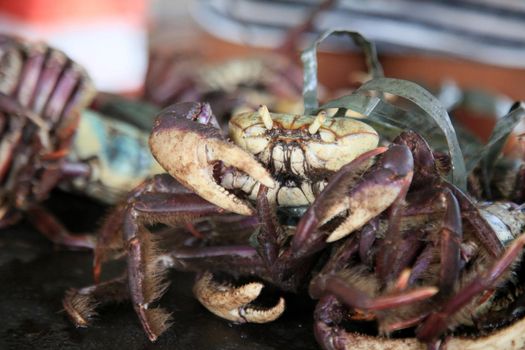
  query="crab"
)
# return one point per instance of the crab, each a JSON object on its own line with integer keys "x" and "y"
{"x": 276, "y": 161}
{"x": 42, "y": 92}
{"x": 472, "y": 258}
{"x": 274, "y": 164}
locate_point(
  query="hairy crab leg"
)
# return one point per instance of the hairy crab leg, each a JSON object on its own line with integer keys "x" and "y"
{"x": 50, "y": 226}
{"x": 81, "y": 304}
{"x": 421, "y": 264}
{"x": 144, "y": 271}
{"x": 337, "y": 261}
{"x": 329, "y": 312}
{"x": 436, "y": 323}
{"x": 356, "y": 298}
{"x": 109, "y": 237}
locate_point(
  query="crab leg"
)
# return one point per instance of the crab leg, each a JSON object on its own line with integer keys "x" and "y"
{"x": 328, "y": 314}
{"x": 436, "y": 323}
{"x": 424, "y": 160}
{"x": 451, "y": 235}
{"x": 30, "y": 73}
{"x": 338, "y": 261}
{"x": 356, "y": 298}
{"x": 187, "y": 142}
{"x": 483, "y": 230}
{"x": 80, "y": 304}
{"x": 270, "y": 233}
{"x": 52, "y": 68}
{"x": 109, "y": 238}
{"x": 49, "y": 226}
{"x": 367, "y": 238}
{"x": 66, "y": 90}
{"x": 144, "y": 270}
{"x": 387, "y": 261}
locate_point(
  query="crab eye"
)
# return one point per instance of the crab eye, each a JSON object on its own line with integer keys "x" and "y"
{"x": 327, "y": 136}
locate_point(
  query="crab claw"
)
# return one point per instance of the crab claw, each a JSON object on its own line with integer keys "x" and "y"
{"x": 233, "y": 303}
{"x": 374, "y": 193}
{"x": 187, "y": 142}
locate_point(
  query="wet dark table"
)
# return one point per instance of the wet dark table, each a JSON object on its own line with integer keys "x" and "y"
{"x": 34, "y": 276}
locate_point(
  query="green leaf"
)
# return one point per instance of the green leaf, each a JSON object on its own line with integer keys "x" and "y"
{"x": 429, "y": 114}
{"x": 309, "y": 58}
{"x": 492, "y": 150}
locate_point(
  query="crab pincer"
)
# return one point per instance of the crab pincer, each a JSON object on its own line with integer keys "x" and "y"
{"x": 384, "y": 183}
{"x": 187, "y": 142}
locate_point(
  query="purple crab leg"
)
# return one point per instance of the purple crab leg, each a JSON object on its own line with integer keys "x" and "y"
{"x": 245, "y": 258}
{"x": 424, "y": 160}
{"x": 109, "y": 239}
{"x": 483, "y": 230}
{"x": 63, "y": 92}
{"x": 31, "y": 73}
{"x": 145, "y": 273}
{"x": 451, "y": 235}
{"x": 337, "y": 261}
{"x": 422, "y": 263}
{"x": 403, "y": 253}
{"x": 328, "y": 314}
{"x": 270, "y": 231}
{"x": 367, "y": 238}
{"x": 356, "y": 298}
{"x": 387, "y": 265}
{"x": 50, "y": 226}
{"x": 437, "y": 323}
{"x": 47, "y": 80}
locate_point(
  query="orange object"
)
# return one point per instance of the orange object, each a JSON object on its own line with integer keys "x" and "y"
{"x": 107, "y": 37}
{"x": 53, "y": 12}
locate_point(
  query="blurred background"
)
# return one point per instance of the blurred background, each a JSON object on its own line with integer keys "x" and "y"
{"x": 476, "y": 43}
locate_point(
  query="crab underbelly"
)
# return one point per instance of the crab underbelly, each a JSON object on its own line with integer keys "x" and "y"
{"x": 285, "y": 193}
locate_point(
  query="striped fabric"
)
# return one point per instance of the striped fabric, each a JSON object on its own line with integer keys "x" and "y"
{"x": 489, "y": 31}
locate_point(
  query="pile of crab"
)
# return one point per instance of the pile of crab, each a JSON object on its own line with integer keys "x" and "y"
{"x": 378, "y": 226}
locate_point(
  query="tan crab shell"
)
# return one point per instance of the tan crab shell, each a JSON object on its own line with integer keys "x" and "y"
{"x": 336, "y": 142}
{"x": 507, "y": 338}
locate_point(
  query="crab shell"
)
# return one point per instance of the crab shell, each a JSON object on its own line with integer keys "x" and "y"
{"x": 508, "y": 338}
{"x": 302, "y": 151}
{"x": 335, "y": 143}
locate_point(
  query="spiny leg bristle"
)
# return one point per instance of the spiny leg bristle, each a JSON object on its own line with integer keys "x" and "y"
{"x": 158, "y": 320}
{"x": 80, "y": 307}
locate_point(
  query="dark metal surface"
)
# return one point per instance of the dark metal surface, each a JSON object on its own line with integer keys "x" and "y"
{"x": 34, "y": 276}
